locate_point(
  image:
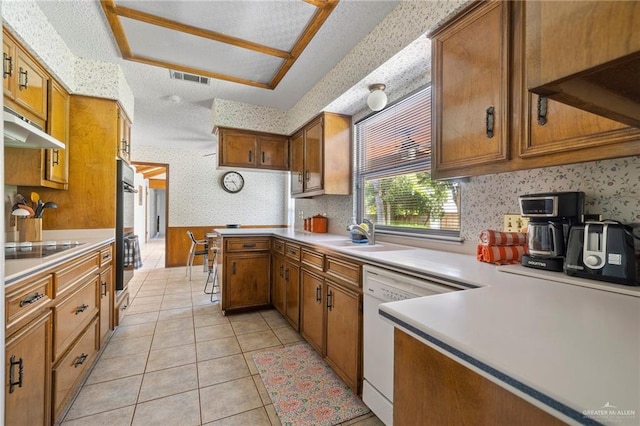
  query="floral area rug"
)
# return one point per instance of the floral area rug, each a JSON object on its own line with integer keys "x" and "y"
{"x": 304, "y": 389}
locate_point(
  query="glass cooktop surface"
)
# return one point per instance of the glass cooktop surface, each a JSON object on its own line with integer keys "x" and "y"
{"x": 37, "y": 250}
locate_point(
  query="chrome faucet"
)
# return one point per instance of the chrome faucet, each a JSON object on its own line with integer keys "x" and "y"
{"x": 371, "y": 233}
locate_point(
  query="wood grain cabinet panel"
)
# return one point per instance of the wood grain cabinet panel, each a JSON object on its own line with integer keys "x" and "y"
{"x": 312, "y": 322}
{"x": 27, "y": 390}
{"x": 471, "y": 89}
{"x": 430, "y": 388}
{"x": 246, "y": 281}
{"x": 57, "y": 160}
{"x": 321, "y": 157}
{"x": 244, "y": 148}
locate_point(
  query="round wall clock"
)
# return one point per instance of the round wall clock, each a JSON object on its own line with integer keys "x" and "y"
{"x": 232, "y": 182}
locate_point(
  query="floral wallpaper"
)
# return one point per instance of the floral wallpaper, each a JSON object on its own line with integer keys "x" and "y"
{"x": 81, "y": 76}
{"x": 611, "y": 187}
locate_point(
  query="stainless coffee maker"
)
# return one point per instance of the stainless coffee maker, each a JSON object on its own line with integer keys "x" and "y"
{"x": 551, "y": 215}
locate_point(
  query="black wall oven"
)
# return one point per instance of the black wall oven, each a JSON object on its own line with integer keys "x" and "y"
{"x": 125, "y": 202}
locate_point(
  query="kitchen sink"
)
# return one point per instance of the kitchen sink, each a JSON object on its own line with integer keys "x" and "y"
{"x": 376, "y": 248}
{"x": 342, "y": 243}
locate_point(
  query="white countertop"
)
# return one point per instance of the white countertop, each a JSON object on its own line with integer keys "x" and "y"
{"x": 15, "y": 269}
{"x": 566, "y": 348}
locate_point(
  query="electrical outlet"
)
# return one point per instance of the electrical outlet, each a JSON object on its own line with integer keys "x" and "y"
{"x": 515, "y": 223}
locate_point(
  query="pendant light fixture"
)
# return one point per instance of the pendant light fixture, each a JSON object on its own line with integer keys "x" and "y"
{"x": 377, "y": 99}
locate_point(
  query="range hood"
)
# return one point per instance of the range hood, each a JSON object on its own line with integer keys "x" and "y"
{"x": 20, "y": 133}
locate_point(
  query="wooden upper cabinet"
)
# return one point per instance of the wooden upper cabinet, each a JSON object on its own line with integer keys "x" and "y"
{"x": 124, "y": 135}
{"x": 244, "y": 148}
{"x": 471, "y": 89}
{"x": 322, "y": 157}
{"x": 586, "y": 54}
{"x": 24, "y": 81}
{"x": 553, "y": 132}
{"x": 297, "y": 163}
{"x": 57, "y": 160}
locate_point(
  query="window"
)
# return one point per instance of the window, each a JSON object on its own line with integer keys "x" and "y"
{"x": 395, "y": 190}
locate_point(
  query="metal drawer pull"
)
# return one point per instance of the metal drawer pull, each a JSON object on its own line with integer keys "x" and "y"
{"x": 490, "y": 121}
{"x": 306, "y": 174}
{"x": 30, "y": 299}
{"x": 250, "y": 156}
{"x": 7, "y": 65}
{"x": 81, "y": 308}
{"x": 286, "y": 274}
{"x": 56, "y": 157}
{"x": 80, "y": 360}
{"x": 12, "y": 374}
{"x": 281, "y": 271}
{"x": 249, "y": 245}
{"x": 234, "y": 268}
{"x": 263, "y": 156}
{"x": 299, "y": 177}
{"x": 542, "y": 110}
{"x": 318, "y": 294}
{"x": 24, "y": 73}
{"x": 104, "y": 288}
{"x": 329, "y": 300}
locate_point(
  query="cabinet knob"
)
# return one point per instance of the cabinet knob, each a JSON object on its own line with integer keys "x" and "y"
{"x": 23, "y": 83}
{"x": 490, "y": 121}
{"x": 542, "y": 110}
{"x": 7, "y": 65}
{"x": 12, "y": 375}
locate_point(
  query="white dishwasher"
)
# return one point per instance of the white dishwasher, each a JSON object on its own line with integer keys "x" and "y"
{"x": 380, "y": 286}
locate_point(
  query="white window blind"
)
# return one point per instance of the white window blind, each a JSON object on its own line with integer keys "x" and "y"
{"x": 395, "y": 190}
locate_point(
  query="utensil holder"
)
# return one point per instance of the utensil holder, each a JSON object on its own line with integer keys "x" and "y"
{"x": 30, "y": 229}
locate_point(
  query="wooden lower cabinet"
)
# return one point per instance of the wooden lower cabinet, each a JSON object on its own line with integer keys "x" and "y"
{"x": 278, "y": 285}
{"x": 70, "y": 369}
{"x": 344, "y": 333}
{"x": 106, "y": 303}
{"x": 313, "y": 308}
{"x": 246, "y": 281}
{"x": 430, "y": 388}
{"x": 28, "y": 374}
{"x": 292, "y": 302}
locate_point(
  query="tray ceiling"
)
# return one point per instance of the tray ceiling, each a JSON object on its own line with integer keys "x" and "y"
{"x": 251, "y": 43}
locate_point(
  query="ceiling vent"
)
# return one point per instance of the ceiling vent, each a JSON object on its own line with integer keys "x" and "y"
{"x": 177, "y": 75}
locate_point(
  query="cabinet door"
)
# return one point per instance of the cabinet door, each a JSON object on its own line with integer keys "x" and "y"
{"x": 57, "y": 167}
{"x": 274, "y": 152}
{"x": 106, "y": 302}
{"x": 279, "y": 285}
{"x": 313, "y": 159}
{"x": 27, "y": 375}
{"x": 31, "y": 91}
{"x": 470, "y": 97}
{"x": 312, "y": 310}
{"x": 8, "y": 66}
{"x": 246, "y": 280}
{"x": 237, "y": 148}
{"x": 297, "y": 163}
{"x": 292, "y": 277}
{"x": 124, "y": 136}
{"x": 344, "y": 324}
{"x": 553, "y": 127}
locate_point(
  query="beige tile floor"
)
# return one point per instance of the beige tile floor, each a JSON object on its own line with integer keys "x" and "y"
{"x": 176, "y": 360}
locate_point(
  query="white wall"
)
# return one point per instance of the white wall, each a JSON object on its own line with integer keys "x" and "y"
{"x": 197, "y": 199}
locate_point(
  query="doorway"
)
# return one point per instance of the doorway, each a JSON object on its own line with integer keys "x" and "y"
{"x": 153, "y": 201}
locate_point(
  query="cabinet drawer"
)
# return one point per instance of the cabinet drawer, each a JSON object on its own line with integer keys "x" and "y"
{"x": 278, "y": 246}
{"x": 25, "y": 300}
{"x": 106, "y": 256}
{"x": 345, "y": 270}
{"x": 122, "y": 303}
{"x": 293, "y": 252}
{"x": 75, "y": 271}
{"x": 71, "y": 367}
{"x": 247, "y": 244}
{"x": 73, "y": 314}
{"x": 313, "y": 260}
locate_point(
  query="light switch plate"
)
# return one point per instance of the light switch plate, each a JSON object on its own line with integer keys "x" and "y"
{"x": 515, "y": 223}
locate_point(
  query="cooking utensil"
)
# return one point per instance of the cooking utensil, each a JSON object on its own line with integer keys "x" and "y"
{"x": 39, "y": 208}
{"x": 47, "y": 205}
{"x": 20, "y": 199}
{"x": 27, "y": 208}
{"x": 35, "y": 197}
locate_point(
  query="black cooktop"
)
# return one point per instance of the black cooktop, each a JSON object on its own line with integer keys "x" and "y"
{"x": 37, "y": 251}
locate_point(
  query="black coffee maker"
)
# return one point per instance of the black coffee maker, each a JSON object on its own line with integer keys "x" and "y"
{"x": 551, "y": 215}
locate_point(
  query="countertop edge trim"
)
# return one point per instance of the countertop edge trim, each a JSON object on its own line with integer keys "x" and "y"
{"x": 537, "y": 395}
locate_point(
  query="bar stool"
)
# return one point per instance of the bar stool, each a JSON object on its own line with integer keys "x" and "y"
{"x": 213, "y": 273}
{"x": 193, "y": 252}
